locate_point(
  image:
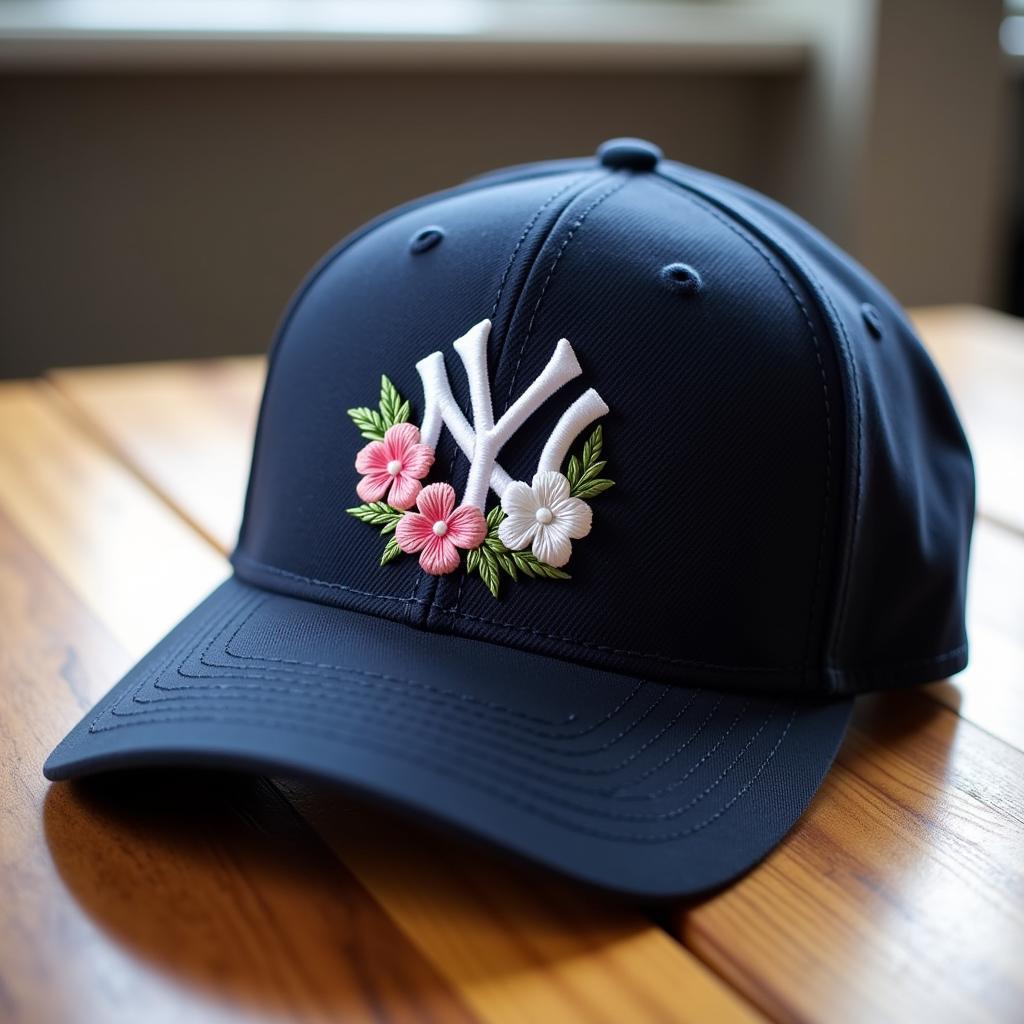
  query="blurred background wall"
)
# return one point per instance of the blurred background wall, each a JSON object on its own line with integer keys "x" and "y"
{"x": 168, "y": 171}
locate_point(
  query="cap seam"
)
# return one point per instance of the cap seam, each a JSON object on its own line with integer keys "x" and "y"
{"x": 530, "y": 224}
{"x": 573, "y": 229}
{"x": 529, "y": 330}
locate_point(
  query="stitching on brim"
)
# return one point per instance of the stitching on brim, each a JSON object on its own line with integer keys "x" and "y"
{"x": 461, "y": 696}
{"x": 494, "y": 308}
{"x": 490, "y": 722}
{"x": 316, "y": 672}
{"x": 443, "y": 767}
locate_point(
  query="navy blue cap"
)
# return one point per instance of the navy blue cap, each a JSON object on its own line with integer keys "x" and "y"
{"x": 584, "y": 498}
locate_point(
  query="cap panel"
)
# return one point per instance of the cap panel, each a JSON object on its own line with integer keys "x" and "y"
{"x": 898, "y": 601}
{"x": 704, "y": 559}
{"x": 375, "y": 308}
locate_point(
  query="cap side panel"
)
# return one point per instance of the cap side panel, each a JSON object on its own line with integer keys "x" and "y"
{"x": 898, "y": 602}
{"x": 833, "y": 439}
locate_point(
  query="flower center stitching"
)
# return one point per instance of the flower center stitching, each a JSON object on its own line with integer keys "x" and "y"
{"x": 395, "y": 467}
{"x": 543, "y": 515}
{"x": 440, "y": 528}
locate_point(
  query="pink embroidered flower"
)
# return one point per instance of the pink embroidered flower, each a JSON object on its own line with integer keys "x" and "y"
{"x": 396, "y": 464}
{"x": 439, "y": 529}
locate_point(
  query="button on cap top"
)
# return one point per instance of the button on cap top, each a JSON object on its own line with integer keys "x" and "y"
{"x": 629, "y": 154}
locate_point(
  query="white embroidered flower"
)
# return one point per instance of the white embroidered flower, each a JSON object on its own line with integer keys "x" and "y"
{"x": 545, "y": 517}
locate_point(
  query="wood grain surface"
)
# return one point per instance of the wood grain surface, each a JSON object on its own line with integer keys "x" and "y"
{"x": 898, "y": 896}
{"x": 981, "y": 355}
{"x": 199, "y": 422}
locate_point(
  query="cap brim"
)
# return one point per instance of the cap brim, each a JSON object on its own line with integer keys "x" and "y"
{"x": 644, "y": 788}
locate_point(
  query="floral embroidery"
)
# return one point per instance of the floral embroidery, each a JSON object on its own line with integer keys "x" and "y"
{"x": 494, "y": 557}
{"x": 544, "y": 517}
{"x": 529, "y": 532}
{"x": 396, "y": 464}
{"x": 438, "y": 529}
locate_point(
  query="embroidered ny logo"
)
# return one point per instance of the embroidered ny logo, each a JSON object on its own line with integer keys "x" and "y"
{"x": 482, "y": 442}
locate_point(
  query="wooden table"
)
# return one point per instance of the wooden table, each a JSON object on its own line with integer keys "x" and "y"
{"x": 184, "y": 896}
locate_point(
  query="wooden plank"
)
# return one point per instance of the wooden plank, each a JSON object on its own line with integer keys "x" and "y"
{"x": 193, "y": 424}
{"x": 570, "y": 956}
{"x": 990, "y": 691}
{"x": 517, "y": 944}
{"x": 900, "y": 893}
{"x": 82, "y": 513}
{"x": 164, "y": 896}
{"x": 981, "y": 354}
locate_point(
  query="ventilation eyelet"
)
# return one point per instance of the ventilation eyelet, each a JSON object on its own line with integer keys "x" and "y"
{"x": 426, "y": 238}
{"x": 872, "y": 320}
{"x": 682, "y": 278}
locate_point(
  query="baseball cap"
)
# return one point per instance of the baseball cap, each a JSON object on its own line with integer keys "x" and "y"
{"x": 585, "y": 497}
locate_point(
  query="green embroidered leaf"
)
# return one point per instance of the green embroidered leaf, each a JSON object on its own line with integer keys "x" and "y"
{"x": 528, "y": 563}
{"x": 593, "y": 471}
{"x": 584, "y": 473}
{"x": 370, "y": 423}
{"x": 377, "y": 513}
{"x": 507, "y": 564}
{"x": 472, "y": 560}
{"x": 572, "y": 472}
{"x": 392, "y": 408}
{"x": 488, "y": 569}
{"x": 593, "y": 488}
{"x": 495, "y": 518}
{"x": 373, "y": 423}
{"x": 592, "y": 447}
{"x": 522, "y": 564}
{"x": 391, "y": 551}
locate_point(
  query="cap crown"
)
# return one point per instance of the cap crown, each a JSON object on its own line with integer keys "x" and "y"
{"x": 793, "y": 495}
